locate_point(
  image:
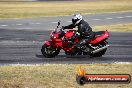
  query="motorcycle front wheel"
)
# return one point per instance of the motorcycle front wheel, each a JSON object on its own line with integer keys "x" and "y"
{"x": 49, "y": 51}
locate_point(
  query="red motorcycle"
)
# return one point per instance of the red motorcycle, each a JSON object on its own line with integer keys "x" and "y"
{"x": 60, "y": 39}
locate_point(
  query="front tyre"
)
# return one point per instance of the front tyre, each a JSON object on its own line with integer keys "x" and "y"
{"x": 49, "y": 51}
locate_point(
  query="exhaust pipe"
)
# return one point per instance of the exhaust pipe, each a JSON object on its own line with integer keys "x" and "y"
{"x": 100, "y": 49}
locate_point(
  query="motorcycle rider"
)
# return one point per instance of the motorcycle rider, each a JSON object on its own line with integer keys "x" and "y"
{"x": 84, "y": 31}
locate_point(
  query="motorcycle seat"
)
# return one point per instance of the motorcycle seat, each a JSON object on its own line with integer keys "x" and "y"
{"x": 99, "y": 33}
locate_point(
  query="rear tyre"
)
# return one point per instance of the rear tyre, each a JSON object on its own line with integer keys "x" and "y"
{"x": 49, "y": 51}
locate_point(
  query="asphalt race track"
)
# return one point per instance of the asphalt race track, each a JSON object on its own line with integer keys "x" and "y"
{"x": 21, "y": 40}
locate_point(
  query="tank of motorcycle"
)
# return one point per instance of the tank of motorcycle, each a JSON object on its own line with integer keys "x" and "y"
{"x": 69, "y": 34}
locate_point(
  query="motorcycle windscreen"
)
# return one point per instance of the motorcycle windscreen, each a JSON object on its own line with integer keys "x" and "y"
{"x": 100, "y": 38}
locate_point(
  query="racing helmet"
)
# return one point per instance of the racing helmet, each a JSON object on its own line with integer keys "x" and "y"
{"x": 76, "y": 18}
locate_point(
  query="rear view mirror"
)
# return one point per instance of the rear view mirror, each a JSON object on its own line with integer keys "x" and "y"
{"x": 58, "y": 24}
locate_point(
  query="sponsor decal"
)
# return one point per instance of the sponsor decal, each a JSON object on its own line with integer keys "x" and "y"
{"x": 83, "y": 78}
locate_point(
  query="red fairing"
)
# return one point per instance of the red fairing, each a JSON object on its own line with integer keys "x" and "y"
{"x": 56, "y": 40}
{"x": 69, "y": 34}
{"x": 100, "y": 38}
{"x": 69, "y": 49}
{"x": 48, "y": 43}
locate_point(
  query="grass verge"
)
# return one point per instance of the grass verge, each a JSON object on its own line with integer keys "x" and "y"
{"x": 40, "y": 9}
{"x": 58, "y": 75}
{"x": 115, "y": 28}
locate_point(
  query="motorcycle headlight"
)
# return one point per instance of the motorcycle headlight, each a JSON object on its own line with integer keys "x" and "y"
{"x": 52, "y": 36}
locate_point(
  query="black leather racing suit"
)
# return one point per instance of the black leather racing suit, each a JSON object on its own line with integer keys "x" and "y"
{"x": 84, "y": 29}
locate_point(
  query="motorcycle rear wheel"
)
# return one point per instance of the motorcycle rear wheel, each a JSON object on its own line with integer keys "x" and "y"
{"x": 49, "y": 51}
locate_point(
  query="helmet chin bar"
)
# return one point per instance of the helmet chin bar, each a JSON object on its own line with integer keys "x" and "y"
{"x": 76, "y": 21}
